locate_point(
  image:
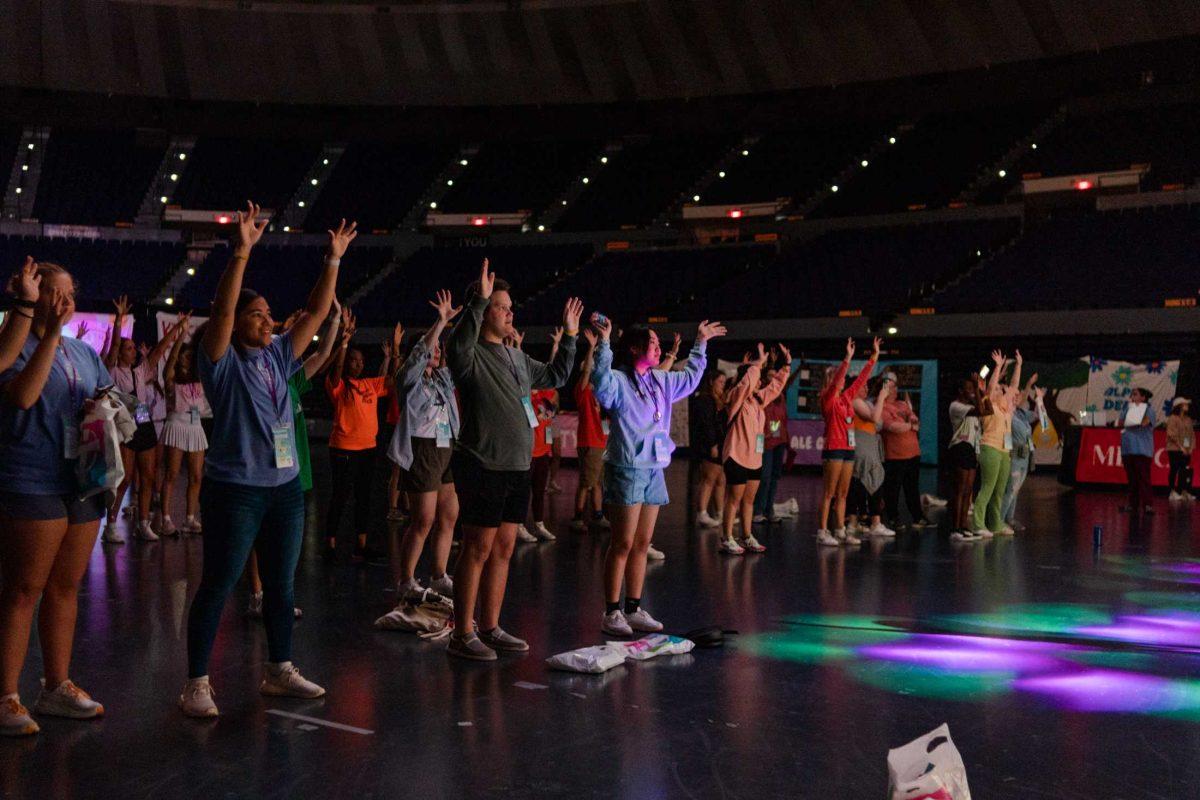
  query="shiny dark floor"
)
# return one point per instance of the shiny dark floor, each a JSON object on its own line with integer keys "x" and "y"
{"x": 1062, "y": 672}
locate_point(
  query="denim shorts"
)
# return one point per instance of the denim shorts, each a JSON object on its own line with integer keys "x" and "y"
{"x": 629, "y": 486}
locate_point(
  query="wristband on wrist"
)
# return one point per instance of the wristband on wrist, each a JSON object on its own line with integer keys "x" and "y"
{"x": 22, "y": 314}
{"x": 573, "y": 333}
{"x": 331, "y": 261}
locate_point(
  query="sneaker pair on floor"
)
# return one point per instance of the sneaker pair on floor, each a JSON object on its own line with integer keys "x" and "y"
{"x": 837, "y": 538}
{"x": 538, "y": 532}
{"x": 618, "y": 623}
{"x": 732, "y": 547}
{"x": 65, "y": 700}
{"x": 279, "y": 680}
{"x": 580, "y": 525}
{"x": 443, "y": 585}
{"x": 705, "y": 520}
{"x": 483, "y": 646}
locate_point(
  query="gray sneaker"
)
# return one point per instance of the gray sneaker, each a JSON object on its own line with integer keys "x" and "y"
{"x": 642, "y": 622}
{"x": 469, "y": 647}
{"x": 615, "y": 624}
{"x": 497, "y": 639}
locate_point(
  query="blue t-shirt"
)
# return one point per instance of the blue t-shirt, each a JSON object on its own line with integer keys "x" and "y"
{"x": 248, "y": 391}
{"x": 31, "y": 441}
{"x": 1138, "y": 440}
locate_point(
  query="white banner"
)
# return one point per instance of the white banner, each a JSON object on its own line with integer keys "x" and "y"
{"x": 1111, "y": 382}
{"x": 166, "y": 319}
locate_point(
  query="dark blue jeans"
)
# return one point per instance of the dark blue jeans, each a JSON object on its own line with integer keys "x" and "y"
{"x": 237, "y": 518}
{"x": 764, "y": 501}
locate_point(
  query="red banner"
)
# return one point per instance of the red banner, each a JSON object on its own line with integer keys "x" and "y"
{"x": 1100, "y": 458}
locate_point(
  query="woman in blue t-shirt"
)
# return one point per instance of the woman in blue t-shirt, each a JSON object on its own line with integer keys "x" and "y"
{"x": 251, "y": 498}
{"x": 46, "y": 531}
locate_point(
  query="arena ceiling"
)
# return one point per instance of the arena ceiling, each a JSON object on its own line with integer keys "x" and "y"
{"x": 509, "y": 52}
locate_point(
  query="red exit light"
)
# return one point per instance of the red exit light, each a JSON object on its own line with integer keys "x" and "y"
{"x": 478, "y": 221}
{"x": 735, "y": 213}
{"x": 1083, "y": 185}
{"x": 222, "y": 219}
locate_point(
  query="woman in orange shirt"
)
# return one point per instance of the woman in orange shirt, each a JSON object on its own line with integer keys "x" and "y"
{"x": 352, "y": 442}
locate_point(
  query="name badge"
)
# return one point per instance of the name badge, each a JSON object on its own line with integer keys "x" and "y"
{"x": 549, "y": 435}
{"x": 282, "y": 435}
{"x": 194, "y": 415}
{"x": 70, "y": 437}
{"x": 850, "y": 438}
{"x": 774, "y": 426}
{"x": 662, "y": 448}
{"x": 604, "y": 426}
{"x": 1008, "y": 441}
{"x": 141, "y": 414}
{"x": 442, "y": 434}
{"x": 759, "y": 443}
{"x": 530, "y": 414}
{"x": 1187, "y": 442}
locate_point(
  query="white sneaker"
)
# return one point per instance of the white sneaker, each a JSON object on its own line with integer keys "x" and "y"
{"x": 284, "y": 680}
{"x": 112, "y": 535}
{"x": 254, "y": 609}
{"x": 963, "y": 536}
{"x": 983, "y": 533}
{"x": 409, "y": 585}
{"x": 145, "y": 532}
{"x": 846, "y": 537}
{"x": 1188, "y": 496}
{"x": 793, "y": 505}
{"x": 879, "y": 529}
{"x": 654, "y": 554}
{"x": 14, "y": 718}
{"x": 642, "y": 622}
{"x": 704, "y": 520}
{"x": 67, "y": 700}
{"x": 1175, "y": 497}
{"x": 751, "y": 544}
{"x": 1007, "y": 530}
{"x": 579, "y": 525}
{"x": 730, "y": 548}
{"x": 191, "y": 525}
{"x": 196, "y": 699}
{"x": 443, "y": 586}
{"x": 759, "y": 518}
{"x": 824, "y": 537}
{"x": 542, "y": 533}
{"x": 933, "y": 501}
{"x": 523, "y": 535}
{"x": 168, "y": 526}
{"x": 615, "y": 624}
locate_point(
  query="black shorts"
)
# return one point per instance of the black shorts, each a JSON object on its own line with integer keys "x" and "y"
{"x": 15, "y": 505}
{"x": 144, "y": 438}
{"x": 430, "y": 468}
{"x": 962, "y": 456}
{"x": 487, "y": 497}
{"x": 736, "y": 474}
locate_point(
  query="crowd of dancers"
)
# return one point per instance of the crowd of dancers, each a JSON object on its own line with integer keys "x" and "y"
{"x": 472, "y": 446}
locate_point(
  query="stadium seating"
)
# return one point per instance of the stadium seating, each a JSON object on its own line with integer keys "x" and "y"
{"x": 516, "y": 176}
{"x": 96, "y": 177}
{"x": 223, "y": 173}
{"x": 1124, "y": 259}
{"x": 378, "y": 183}
{"x": 103, "y": 268}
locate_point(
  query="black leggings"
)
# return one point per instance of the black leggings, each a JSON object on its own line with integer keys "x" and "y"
{"x": 902, "y": 474}
{"x": 1179, "y": 477}
{"x": 540, "y": 477}
{"x": 862, "y": 504}
{"x": 352, "y": 470}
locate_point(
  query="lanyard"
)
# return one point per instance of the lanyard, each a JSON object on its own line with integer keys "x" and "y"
{"x": 268, "y": 378}
{"x": 653, "y": 392}
{"x": 512, "y": 366}
{"x": 72, "y": 374}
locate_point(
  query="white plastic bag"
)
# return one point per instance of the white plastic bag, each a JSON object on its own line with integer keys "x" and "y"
{"x": 100, "y": 469}
{"x": 928, "y": 768}
{"x": 656, "y": 644}
{"x": 592, "y": 660}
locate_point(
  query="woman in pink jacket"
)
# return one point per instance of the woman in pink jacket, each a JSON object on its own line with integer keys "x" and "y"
{"x": 742, "y": 453}
{"x": 837, "y": 406}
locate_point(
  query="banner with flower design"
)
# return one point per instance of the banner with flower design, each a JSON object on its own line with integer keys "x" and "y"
{"x": 1111, "y": 382}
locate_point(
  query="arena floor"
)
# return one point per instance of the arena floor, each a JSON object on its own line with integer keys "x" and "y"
{"x": 1062, "y": 672}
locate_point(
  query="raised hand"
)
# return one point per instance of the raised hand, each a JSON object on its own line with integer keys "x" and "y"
{"x": 397, "y": 337}
{"x": 675, "y": 343}
{"x": 850, "y": 348}
{"x": 518, "y": 338}
{"x": 875, "y": 345}
{"x": 884, "y": 391}
{"x": 143, "y": 350}
{"x": 55, "y": 313}
{"x": 1019, "y": 359}
{"x": 249, "y": 227}
{"x": 1039, "y": 393}
{"x": 786, "y": 360}
{"x": 290, "y": 321}
{"x": 998, "y": 358}
{"x": 762, "y": 355}
{"x": 445, "y": 305}
{"x": 591, "y": 337}
{"x": 571, "y": 314}
{"x": 709, "y": 330}
{"x": 341, "y": 238}
{"x": 605, "y": 329}
{"x": 26, "y": 284}
{"x": 82, "y": 330}
{"x": 487, "y": 280}
{"x": 123, "y": 306}
{"x": 335, "y": 308}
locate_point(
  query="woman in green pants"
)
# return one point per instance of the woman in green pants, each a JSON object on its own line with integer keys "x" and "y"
{"x": 995, "y": 447}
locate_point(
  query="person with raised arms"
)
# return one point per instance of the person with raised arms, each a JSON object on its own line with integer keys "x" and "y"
{"x": 492, "y": 455}
{"x": 252, "y": 497}
{"x": 638, "y": 398}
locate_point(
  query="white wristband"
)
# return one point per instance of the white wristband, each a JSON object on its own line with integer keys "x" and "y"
{"x": 332, "y": 262}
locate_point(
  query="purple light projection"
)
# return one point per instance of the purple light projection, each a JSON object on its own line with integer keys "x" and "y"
{"x": 1112, "y": 691}
{"x": 1177, "y": 630}
{"x": 970, "y": 653}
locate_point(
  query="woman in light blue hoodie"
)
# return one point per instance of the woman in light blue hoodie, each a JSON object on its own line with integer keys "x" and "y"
{"x": 638, "y": 400}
